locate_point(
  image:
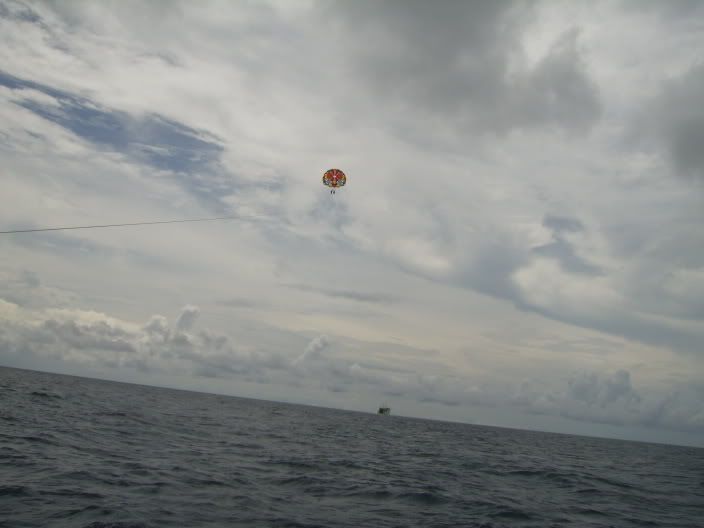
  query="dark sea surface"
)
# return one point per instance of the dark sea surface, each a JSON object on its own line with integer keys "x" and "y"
{"x": 77, "y": 452}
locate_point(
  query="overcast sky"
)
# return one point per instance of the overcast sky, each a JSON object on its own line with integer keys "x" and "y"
{"x": 520, "y": 242}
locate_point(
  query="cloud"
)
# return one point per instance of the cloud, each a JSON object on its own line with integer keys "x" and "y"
{"x": 679, "y": 409}
{"x": 679, "y": 10}
{"x": 313, "y": 351}
{"x": 561, "y": 224}
{"x": 561, "y": 249}
{"x": 676, "y": 118}
{"x": 193, "y": 156}
{"x": 461, "y": 64}
{"x": 24, "y": 288}
{"x": 360, "y": 296}
{"x": 189, "y": 315}
{"x": 238, "y": 302}
{"x": 98, "y": 340}
{"x": 593, "y": 390}
{"x": 18, "y": 12}
{"x": 610, "y": 398}
{"x": 600, "y": 303}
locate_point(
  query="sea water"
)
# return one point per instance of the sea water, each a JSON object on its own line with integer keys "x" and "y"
{"x": 78, "y": 452}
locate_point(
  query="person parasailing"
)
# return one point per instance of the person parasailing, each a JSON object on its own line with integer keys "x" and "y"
{"x": 334, "y": 178}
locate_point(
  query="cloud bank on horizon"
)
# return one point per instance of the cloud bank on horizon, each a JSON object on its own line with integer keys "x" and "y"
{"x": 519, "y": 242}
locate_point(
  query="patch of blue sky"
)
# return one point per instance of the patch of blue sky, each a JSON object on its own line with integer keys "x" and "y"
{"x": 193, "y": 156}
{"x": 155, "y": 140}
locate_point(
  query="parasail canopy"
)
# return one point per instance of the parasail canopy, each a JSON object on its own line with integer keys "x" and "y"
{"x": 334, "y": 178}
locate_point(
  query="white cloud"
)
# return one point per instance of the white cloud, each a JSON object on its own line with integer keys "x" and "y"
{"x": 189, "y": 315}
{"x": 314, "y": 350}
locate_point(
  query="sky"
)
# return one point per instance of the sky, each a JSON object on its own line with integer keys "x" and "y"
{"x": 519, "y": 242}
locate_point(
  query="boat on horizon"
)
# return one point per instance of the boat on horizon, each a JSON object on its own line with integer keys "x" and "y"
{"x": 384, "y": 409}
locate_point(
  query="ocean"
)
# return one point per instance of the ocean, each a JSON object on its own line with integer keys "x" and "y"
{"x": 77, "y": 452}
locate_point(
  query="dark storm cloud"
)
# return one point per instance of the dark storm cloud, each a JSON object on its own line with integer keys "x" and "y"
{"x": 453, "y": 60}
{"x": 676, "y": 119}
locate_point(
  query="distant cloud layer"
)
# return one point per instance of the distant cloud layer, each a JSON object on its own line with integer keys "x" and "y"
{"x": 95, "y": 339}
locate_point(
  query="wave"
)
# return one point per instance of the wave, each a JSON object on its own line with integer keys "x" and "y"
{"x": 47, "y": 395}
{"x": 100, "y": 524}
{"x": 14, "y": 491}
{"x": 423, "y": 497}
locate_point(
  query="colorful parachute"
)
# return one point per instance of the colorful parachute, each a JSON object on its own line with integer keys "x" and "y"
{"x": 334, "y": 178}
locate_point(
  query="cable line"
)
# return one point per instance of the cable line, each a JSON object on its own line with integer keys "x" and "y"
{"x": 38, "y": 229}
